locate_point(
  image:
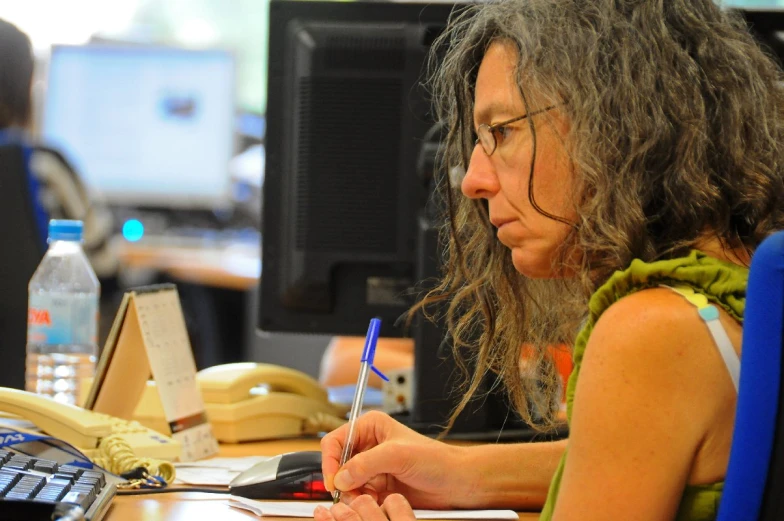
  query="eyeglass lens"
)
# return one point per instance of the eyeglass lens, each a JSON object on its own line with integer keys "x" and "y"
{"x": 486, "y": 138}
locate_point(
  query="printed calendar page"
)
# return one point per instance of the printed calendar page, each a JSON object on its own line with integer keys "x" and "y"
{"x": 169, "y": 352}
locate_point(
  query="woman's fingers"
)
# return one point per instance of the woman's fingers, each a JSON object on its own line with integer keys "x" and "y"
{"x": 322, "y": 514}
{"x": 387, "y": 459}
{"x": 363, "y": 508}
{"x": 367, "y": 508}
{"x": 331, "y": 449}
{"x": 397, "y": 508}
{"x": 372, "y": 429}
{"x": 349, "y": 497}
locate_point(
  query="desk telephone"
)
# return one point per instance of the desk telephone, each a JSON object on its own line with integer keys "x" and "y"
{"x": 84, "y": 429}
{"x": 250, "y": 401}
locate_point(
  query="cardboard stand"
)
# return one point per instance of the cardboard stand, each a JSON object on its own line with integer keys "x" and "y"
{"x": 148, "y": 337}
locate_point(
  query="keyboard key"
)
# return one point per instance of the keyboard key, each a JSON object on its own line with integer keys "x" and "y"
{"x": 95, "y": 475}
{"x": 18, "y": 494}
{"x": 85, "y": 490}
{"x": 48, "y": 467}
{"x": 90, "y": 483}
{"x": 58, "y": 483}
{"x": 5, "y": 486}
{"x": 47, "y": 496}
{"x": 64, "y": 477}
{"x": 23, "y": 487}
{"x": 70, "y": 469}
{"x": 9, "y": 474}
{"x": 53, "y": 490}
{"x": 16, "y": 455}
{"x": 78, "y": 498}
{"x": 36, "y": 482}
{"x": 18, "y": 464}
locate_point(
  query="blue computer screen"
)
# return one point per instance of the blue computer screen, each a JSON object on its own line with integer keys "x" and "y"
{"x": 144, "y": 126}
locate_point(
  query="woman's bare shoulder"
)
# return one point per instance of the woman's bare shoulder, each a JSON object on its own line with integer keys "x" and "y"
{"x": 656, "y": 341}
{"x": 655, "y": 318}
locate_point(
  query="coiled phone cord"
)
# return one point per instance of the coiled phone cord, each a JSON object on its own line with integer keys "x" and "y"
{"x": 117, "y": 456}
{"x": 321, "y": 422}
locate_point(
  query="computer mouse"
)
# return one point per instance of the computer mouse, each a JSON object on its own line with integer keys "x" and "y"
{"x": 295, "y": 475}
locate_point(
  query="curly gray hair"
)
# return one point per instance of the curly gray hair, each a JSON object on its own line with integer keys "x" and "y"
{"x": 676, "y": 130}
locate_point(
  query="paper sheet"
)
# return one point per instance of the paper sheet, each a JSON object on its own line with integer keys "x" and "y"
{"x": 215, "y": 471}
{"x": 305, "y": 509}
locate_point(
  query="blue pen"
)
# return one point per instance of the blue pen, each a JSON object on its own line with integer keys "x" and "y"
{"x": 366, "y": 365}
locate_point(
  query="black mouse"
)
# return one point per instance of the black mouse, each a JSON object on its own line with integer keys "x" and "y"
{"x": 295, "y": 475}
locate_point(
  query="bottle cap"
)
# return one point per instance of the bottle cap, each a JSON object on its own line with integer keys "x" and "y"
{"x": 65, "y": 230}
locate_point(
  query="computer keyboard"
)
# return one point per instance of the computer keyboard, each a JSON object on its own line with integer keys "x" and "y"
{"x": 33, "y": 489}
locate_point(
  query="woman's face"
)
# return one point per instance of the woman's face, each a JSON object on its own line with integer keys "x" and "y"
{"x": 502, "y": 178}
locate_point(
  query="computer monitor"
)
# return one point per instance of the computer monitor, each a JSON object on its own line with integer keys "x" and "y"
{"x": 346, "y": 236}
{"x": 144, "y": 126}
{"x": 766, "y": 21}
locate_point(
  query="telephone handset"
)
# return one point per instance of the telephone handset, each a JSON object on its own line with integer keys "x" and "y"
{"x": 85, "y": 429}
{"x": 252, "y": 401}
{"x": 232, "y": 383}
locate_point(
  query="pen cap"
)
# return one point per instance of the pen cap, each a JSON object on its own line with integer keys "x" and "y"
{"x": 371, "y": 339}
{"x": 369, "y": 353}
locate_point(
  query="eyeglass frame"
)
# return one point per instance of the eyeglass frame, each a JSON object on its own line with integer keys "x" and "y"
{"x": 494, "y": 126}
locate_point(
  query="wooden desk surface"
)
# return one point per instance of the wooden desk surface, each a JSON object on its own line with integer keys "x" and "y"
{"x": 193, "y": 506}
{"x": 233, "y": 267}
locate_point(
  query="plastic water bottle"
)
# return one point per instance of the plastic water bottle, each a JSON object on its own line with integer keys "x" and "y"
{"x": 62, "y": 316}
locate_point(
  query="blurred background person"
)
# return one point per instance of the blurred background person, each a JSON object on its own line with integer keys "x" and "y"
{"x": 60, "y": 192}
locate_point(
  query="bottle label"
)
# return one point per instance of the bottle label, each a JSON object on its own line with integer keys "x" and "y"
{"x": 61, "y": 318}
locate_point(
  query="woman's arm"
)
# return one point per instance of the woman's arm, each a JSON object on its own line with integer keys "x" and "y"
{"x": 513, "y": 476}
{"x": 390, "y": 458}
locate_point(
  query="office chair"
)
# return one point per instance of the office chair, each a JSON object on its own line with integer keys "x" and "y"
{"x": 22, "y": 245}
{"x": 754, "y": 486}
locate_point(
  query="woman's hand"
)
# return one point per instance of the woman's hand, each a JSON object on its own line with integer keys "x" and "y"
{"x": 390, "y": 458}
{"x": 365, "y": 508}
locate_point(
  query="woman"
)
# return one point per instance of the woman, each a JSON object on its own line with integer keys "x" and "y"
{"x": 623, "y": 161}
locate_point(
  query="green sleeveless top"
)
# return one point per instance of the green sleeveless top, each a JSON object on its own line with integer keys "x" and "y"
{"x": 723, "y": 283}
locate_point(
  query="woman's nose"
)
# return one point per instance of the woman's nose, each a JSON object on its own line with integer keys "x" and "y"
{"x": 480, "y": 180}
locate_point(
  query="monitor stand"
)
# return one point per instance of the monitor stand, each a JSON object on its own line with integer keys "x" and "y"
{"x": 489, "y": 417}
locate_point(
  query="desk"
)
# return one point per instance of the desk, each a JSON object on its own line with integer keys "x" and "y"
{"x": 230, "y": 266}
{"x": 195, "y": 506}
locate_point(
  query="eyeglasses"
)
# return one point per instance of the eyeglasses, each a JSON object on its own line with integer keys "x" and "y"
{"x": 489, "y": 135}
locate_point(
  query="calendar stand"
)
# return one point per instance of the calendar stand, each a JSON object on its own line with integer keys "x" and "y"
{"x": 148, "y": 337}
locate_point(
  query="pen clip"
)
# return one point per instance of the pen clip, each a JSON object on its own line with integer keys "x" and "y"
{"x": 379, "y": 373}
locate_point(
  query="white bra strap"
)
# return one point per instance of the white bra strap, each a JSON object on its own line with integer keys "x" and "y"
{"x": 710, "y": 315}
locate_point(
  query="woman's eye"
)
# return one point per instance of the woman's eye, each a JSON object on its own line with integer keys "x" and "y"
{"x": 501, "y": 133}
